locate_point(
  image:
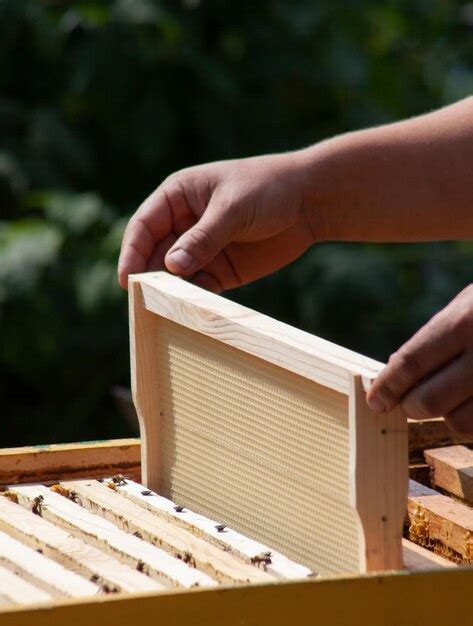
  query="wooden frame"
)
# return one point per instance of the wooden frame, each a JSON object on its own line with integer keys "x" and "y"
{"x": 377, "y": 463}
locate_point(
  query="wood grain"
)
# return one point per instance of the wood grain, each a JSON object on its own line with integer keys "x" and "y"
{"x": 106, "y": 536}
{"x": 178, "y": 541}
{"x": 213, "y": 531}
{"x": 72, "y": 460}
{"x": 432, "y": 433}
{"x": 69, "y": 551}
{"x": 452, "y": 470}
{"x": 144, "y": 373}
{"x": 416, "y": 558}
{"x": 300, "y": 352}
{"x": 15, "y": 590}
{"x": 437, "y": 598}
{"x": 378, "y": 480}
{"x": 42, "y": 572}
{"x": 436, "y": 517}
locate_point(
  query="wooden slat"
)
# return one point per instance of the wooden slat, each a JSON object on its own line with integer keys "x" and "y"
{"x": 212, "y": 531}
{"x": 178, "y": 541}
{"x": 437, "y": 517}
{"x": 432, "y": 433}
{"x": 15, "y": 590}
{"x": 420, "y": 472}
{"x": 70, "y": 461}
{"x": 417, "y": 558}
{"x": 304, "y": 354}
{"x": 73, "y": 553}
{"x": 378, "y": 454}
{"x": 106, "y": 536}
{"x": 144, "y": 372}
{"x": 452, "y": 470}
{"x": 42, "y": 572}
{"x": 439, "y": 598}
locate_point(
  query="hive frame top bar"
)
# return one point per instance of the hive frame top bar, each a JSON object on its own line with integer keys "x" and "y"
{"x": 300, "y": 352}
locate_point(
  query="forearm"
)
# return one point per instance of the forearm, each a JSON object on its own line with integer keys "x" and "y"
{"x": 409, "y": 181}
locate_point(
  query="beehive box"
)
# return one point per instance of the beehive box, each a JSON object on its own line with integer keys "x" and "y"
{"x": 281, "y": 496}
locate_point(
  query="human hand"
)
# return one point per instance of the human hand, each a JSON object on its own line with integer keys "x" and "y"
{"x": 432, "y": 374}
{"x": 222, "y": 224}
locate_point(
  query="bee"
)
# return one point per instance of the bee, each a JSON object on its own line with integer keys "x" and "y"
{"x": 179, "y": 508}
{"x": 74, "y": 496}
{"x": 146, "y": 492}
{"x": 141, "y": 567}
{"x": 220, "y": 528}
{"x": 67, "y": 493}
{"x": 187, "y": 558}
{"x": 38, "y": 505}
{"x": 138, "y": 534}
{"x": 264, "y": 558}
{"x": 118, "y": 480}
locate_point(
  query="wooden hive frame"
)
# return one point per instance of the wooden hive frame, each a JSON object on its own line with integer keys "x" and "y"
{"x": 353, "y": 463}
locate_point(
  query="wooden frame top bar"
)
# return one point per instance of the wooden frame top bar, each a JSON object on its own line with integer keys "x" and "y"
{"x": 304, "y": 354}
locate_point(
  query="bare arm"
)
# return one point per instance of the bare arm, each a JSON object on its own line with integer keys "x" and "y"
{"x": 408, "y": 181}
{"x": 227, "y": 223}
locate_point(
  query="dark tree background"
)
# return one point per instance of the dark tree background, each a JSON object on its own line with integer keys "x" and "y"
{"x": 99, "y": 101}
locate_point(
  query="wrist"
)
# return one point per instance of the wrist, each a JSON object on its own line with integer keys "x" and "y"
{"x": 322, "y": 190}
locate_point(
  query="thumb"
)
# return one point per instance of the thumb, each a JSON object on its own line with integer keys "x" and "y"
{"x": 201, "y": 243}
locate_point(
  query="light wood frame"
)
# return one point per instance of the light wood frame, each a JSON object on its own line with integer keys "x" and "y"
{"x": 378, "y": 461}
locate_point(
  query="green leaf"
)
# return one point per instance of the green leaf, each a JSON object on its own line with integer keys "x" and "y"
{"x": 97, "y": 286}
{"x": 27, "y": 248}
{"x": 74, "y": 213}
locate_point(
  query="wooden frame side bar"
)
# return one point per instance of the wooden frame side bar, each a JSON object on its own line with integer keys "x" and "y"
{"x": 144, "y": 373}
{"x": 378, "y": 480}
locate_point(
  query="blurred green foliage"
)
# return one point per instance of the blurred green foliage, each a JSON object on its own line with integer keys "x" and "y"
{"x": 100, "y": 100}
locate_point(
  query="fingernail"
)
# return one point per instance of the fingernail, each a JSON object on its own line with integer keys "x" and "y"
{"x": 376, "y": 404}
{"x": 182, "y": 259}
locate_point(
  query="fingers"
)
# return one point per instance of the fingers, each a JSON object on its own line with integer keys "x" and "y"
{"x": 207, "y": 281}
{"x": 156, "y": 260}
{"x": 442, "y": 392}
{"x": 461, "y": 419}
{"x": 150, "y": 224}
{"x": 201, "y": 243}
{"x": 437, "y": 343}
